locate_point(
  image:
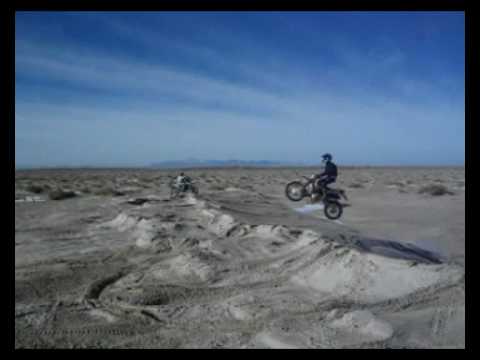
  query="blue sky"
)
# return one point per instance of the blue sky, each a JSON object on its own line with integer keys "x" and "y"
{"x": 129, "y": 89}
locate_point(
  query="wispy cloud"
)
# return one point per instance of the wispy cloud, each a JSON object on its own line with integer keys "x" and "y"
{"x": 135, "y": 77}
{"x": 219, "y": 104}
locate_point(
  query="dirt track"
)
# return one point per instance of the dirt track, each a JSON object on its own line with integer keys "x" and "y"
{"x": 239, "y": 266}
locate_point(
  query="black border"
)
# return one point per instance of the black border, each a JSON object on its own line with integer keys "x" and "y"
{"x": 246, "y": 5}
{"x": 471, "y": 78}
{"x": 471, "y": 63}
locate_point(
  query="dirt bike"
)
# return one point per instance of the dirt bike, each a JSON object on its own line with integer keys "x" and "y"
{"x": 333, "y": 208}
{"x": 177, "y": 189}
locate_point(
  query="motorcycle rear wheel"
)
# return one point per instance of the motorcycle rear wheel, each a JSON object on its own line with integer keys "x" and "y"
{"x": 333, "y": 210}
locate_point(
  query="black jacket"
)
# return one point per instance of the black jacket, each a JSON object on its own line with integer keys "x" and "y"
{"x": 330, "y": 169}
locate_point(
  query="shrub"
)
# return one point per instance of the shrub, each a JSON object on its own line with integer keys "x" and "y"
{"x": 108, "y": 191}
{"x": 435, "y": 190}
{"x": 36, "y": 189}
{"x": 60, "y": 194}
{"x": 85, "y": 190}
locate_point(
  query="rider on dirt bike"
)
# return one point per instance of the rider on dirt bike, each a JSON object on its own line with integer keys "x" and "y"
{"x": 182, "y": 181}
{"x": 181, "y": 184}
{"x": 316, "y": 187}
{"x": 328, "y": 176}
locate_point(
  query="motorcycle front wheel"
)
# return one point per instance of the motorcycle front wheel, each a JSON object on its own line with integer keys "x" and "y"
{"x": 333, "y": 210}
{"x": 294, "y": 191}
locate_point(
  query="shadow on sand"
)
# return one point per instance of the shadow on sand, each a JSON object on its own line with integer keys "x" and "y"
{"x": 394, "y": 249}
{"x": 388, "y": 248}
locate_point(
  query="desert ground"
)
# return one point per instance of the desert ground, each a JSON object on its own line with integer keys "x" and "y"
{"x": 105, "y": 259}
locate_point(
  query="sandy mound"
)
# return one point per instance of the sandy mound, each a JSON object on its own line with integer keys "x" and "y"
{"x": 372, "y": 278}
{"x": 142, "y": 230}
{"x": 122, "y": 222}
{"x": 364, "y": 326}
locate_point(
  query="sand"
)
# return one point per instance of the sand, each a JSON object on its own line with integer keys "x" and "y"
{"x": 239, "y": 265}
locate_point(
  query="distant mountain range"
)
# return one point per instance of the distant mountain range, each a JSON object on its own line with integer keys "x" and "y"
{"x": 194, "y": 163}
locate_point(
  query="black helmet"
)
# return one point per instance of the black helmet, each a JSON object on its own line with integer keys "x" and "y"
{"x": 327, "y": 157}
{"x": 182, "y": 174}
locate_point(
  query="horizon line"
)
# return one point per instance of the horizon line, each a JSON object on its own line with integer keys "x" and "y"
{"x": 233, "y": 166}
